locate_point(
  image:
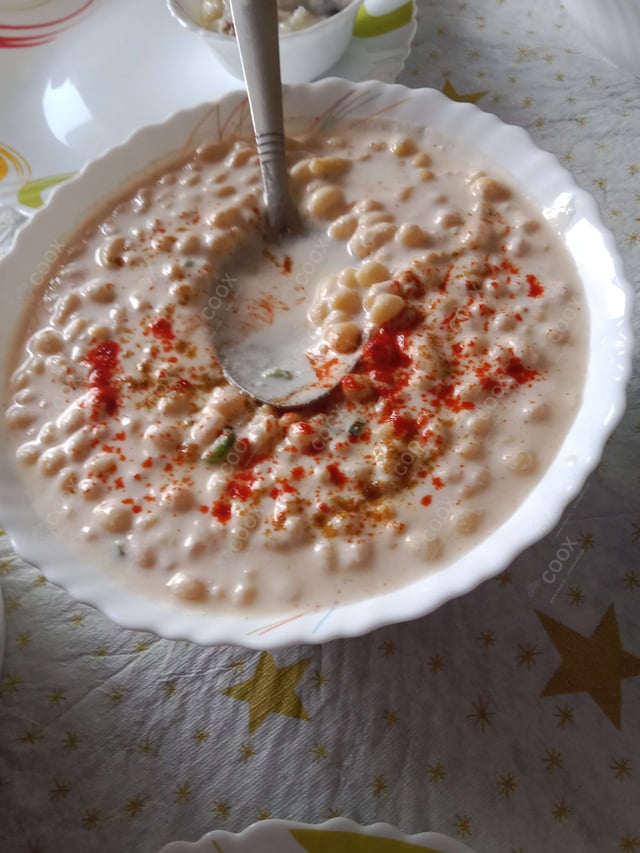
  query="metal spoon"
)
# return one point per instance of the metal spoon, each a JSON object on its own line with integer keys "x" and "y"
{"x": 286, "y": 364}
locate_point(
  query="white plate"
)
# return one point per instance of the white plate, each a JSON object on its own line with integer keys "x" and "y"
{"x": 550, "y": 187}
{"x": 60, "y": 109}
{"x": 338, "y": 836}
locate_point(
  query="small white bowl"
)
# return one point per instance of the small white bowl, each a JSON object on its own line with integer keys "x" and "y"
{"x": 304, "y": 54}
{"x": 613, "y": 26}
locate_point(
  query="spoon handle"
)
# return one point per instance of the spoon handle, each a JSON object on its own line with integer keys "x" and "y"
{"x": 256, "y": 26}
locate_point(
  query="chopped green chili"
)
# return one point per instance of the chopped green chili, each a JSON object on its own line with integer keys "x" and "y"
{"x": 277, "y": 373}
{"x": 220, "y": 447}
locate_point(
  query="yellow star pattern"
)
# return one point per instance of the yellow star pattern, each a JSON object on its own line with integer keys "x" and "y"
{"x": 527, "y": 655}
{"x": 182, "y": 793}
{"x": 462, "y": 825}
{"x": 263, "y": 815}
{"x": 319, "y": 752}
{"x": 169, "y": 689}
{"x": 201, "y": 735}
{"x": 222, "y": 809}
{"x": 319, "y": 678}
{"x": 631, "y": 580}
{"x": 391, "y": 718}
{"x": 587, "y": 541}
{"x": 506, "y": 785}
{"x": 387, "y": 648}
{"x": 11, "y": 683}
{"x": 621, "y": 768}
{"x": 595, "y": 665}
{"x": 378, "y": 786}
{"x": 436, "y": 663}
{"x": 59, "y": 790}
{"x": 560, "y": 811}
{"x": 576, "y": 596}
{"x": 564, "y": 714}
{"x": 71, "y": 741}
{"x": 487, "y": 639}
{"x": 146, "y": 747}
{"x": 505, "y": 579}
{"x": 78, "y": 620}
{"x": 481, "y": 716}
{"x": 117, "y": 695}
{"x": 135, "y": 806}
{"x": 451, "y": 93}
{"x": 6, "y": 566}
{"x": 30, "y": 736}
{"x": 246, "y": 751}
{"x": 552, "y": 760}
{"x": 55, "y": 697}
{"x": 629, "y": 843}
{"x": 91, "y": 819}
{"x": 271, "y": 690}
{"x": 23, "y": 640}
{"x": 436, "y": 772}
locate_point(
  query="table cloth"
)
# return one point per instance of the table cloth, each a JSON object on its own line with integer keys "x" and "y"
{"x": 509, "y": 718}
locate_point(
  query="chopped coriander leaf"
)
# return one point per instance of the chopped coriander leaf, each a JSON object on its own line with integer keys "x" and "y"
{"x": 277, "y": 373}
{"x": 220, "y": 447}
{"x": 357, "y": 427}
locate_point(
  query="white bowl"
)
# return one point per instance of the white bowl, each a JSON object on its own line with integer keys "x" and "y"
{"x": 304, "y": 54}
{"x": 613, "y": 26}
{"x": 284, "y": 836}
{"x": 549, "y": 186}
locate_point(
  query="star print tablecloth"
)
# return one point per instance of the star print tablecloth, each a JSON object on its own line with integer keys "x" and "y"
{"x": 510, "y": 718}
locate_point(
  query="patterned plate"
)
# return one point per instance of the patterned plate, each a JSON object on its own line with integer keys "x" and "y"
{"x": 335, "y": 836}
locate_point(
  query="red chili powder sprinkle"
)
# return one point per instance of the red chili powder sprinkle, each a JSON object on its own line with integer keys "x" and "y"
{"x": 298, "y": 473}
{"x": 182, "y": 385}
{"x": 147, "y": 462}
{"x": 508, "y": 266}
{"x": 238, "y": 490}
{"x": 221, "y": 510}
{"x": 535, "y": 288}
{"x": 382, "y": 353}
{"x": 120, "y": 436}
{"x": 103, "y": 360}
{"x": 426, "y": 500}
{"x": 437, "y": 483}
{"x": 336, "y": 475}
{"x": 517, "y": 371}
{"x": 403, "y": 426}
{"x": 162, "y": 330}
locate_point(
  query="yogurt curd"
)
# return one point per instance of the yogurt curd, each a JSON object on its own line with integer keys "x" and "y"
{"x": 163, "y": 472}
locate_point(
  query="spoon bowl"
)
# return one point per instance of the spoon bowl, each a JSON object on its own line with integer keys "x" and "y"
{"x": 283, "y": 362}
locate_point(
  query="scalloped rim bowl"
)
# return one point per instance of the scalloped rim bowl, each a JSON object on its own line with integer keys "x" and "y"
{"x": 543, "y": 180}
{"x": 275, "y": 836}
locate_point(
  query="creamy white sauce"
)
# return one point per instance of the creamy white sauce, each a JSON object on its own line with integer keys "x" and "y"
{"x": 121, "y": 417}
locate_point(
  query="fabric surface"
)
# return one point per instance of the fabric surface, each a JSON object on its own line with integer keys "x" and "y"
{"x": 509, "y": 718}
